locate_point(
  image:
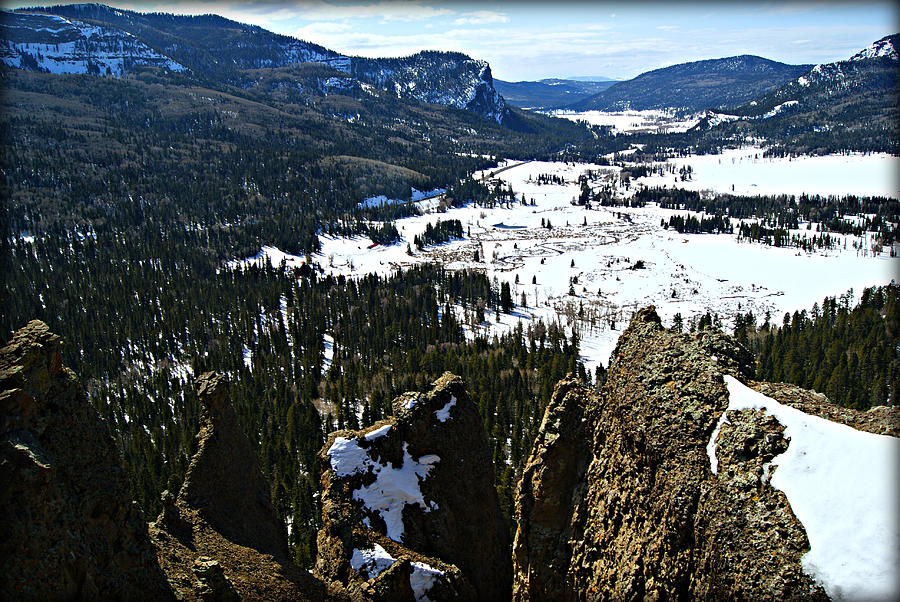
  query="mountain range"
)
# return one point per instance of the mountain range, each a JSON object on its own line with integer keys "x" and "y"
{"x": 695, "y": 86}
{"x": 97, "y": 39}
{"x": 550, "y": 93}
{"x": 853, "y": 103}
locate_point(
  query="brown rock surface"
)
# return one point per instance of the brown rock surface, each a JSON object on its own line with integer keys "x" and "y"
{"x": 223, "y": 513}
{"x": 653, "y": 521}
{"x": 224, "y": 483}
{"x": 455, "y": 528}
{"x": 549, "y": 496}
{"x": 68, "y": 525}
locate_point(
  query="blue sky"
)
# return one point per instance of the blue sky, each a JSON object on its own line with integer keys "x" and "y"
{"x": 533, "y": 40}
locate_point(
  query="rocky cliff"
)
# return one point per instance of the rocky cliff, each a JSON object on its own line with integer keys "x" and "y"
{"x": 619, "y": 499}
{"x": 409, "y": 507}
{"x": 219, "y": 538}
{"x": 68, "y": 525}
{"x": 655, "y": 487}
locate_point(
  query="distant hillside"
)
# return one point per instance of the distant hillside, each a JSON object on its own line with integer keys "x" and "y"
{"x": 851, "y": 104}
{"x": 100, "y": 40}
{"x": 549, "y": 93}
{"x": 696, "y": 86}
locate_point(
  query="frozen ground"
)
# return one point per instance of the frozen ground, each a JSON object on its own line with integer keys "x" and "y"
{"x": 654, "y": 121}
{"x": 749, "y": 173}
{"x": 593, "y": 253}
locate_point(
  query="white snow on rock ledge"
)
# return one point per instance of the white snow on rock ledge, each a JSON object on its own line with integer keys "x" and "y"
{"x": 444, "y": 413}
{"x": 841, "y": 484}
{"x": 392, "y": 489}
{"x": 377, "y": 560}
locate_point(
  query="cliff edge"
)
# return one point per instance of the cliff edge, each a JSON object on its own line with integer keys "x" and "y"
{"x": 646, "y": 490}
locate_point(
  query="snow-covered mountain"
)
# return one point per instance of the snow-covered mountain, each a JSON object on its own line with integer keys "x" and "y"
{"x": 225, "y": 51}
{"x": 58, "y": 45}
{"x": 886, "y": 47}
{"x": 447, "y": 78}
{"x": 851, "y": 100}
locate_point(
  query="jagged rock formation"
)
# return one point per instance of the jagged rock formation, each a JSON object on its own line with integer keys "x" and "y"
{"x": 68, "y": 525}
{"x": 648, "y": 519}
{"x": 220, "y": 539}
{"x": 224, "y": 482}
{"x": 409, "y": 506}
{"x": 551, "y": 487}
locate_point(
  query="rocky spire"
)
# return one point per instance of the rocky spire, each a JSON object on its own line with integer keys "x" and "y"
{"x": 224, "y": 483}
{"x": 415, "y": 489}
{"x": 68, "y": 525}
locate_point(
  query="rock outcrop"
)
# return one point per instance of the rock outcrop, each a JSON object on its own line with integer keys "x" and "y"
{"x": 409, "y": 506}
{"x": 550, "y": 492}
{"x": 647, "y": 519}
{"x": 220, "y": 539}
{"x": 69, "y": 527}
{"x": 224, "y": 483}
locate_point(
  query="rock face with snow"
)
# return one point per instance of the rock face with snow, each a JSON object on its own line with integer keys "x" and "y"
{"x": 409, "y": 507}
{"x": 447, "y": 78}
{"x": 68, "y": 525}
{"x": 620, "y": 499}
{"x": 216, "y": 48}
{"x": 58, "y": 45}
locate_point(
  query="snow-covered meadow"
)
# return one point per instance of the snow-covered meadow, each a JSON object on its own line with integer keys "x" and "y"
{"x": 592, "y": 268}
{"x": 746, "y": 171}
{"x": 633, "y": 121}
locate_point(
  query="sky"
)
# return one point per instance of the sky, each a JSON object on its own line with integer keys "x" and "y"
{"x": 530, "y": 40}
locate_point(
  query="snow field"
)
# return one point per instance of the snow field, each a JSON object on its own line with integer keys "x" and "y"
{"x": 841, "y": 485}
{"x": 687, "y": 274}
{"x": 651, "y": 120}
{"x": 745, "y": 168}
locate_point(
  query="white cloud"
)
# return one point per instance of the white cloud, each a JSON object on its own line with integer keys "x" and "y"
{"x": 481, "y": 17}
{"x": 386, "y": 10}
{"x": 321, "y": 29}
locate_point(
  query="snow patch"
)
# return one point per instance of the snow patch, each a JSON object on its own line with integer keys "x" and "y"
{"x": 444, "y": 413}
{"x": 422, "y": 580}
{"x": 392, "y": 489}
{"x": 375, "y": 560}
{"x": 840, "y": 483}
{"x": 379, "y": 432}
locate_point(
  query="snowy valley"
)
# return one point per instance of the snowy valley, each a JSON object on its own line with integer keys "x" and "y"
{"x": 590, "y": 269}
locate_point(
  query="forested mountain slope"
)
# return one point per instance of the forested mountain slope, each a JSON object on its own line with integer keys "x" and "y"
{"x": 850, "y": 104}
{"x": 221, "y": 51}
{"x": 695, "y": 86}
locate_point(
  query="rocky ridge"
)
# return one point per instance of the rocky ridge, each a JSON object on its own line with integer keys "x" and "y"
{"x": 409, "y": 507}
{"x": 69, "y": 527}
{"x": 648, "y": 519}
{"x": 618, "y": 500}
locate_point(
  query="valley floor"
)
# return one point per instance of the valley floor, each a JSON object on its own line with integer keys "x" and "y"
{"x": 590, "y": 269}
